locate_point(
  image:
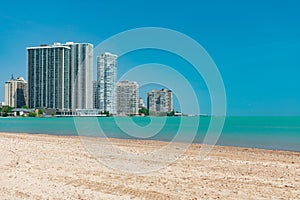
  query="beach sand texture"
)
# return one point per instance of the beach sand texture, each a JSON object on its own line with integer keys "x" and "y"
{"x": 57, "y": 167}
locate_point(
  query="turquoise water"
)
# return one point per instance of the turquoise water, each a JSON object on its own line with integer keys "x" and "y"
{"x": 282, "y": 133}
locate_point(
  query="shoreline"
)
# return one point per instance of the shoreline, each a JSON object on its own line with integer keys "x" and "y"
{"x": 158, "y": 141}
{"x": 41, "y": 166}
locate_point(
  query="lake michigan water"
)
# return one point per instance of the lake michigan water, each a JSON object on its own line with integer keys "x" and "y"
{"x": 278, "y": 133}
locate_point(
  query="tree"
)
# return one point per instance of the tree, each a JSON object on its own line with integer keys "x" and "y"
{"x": 25, "y": 107}
{"x": 32, "y": 114}
{"x": 144, "y": 111}
{"x": 40, "y": 112}
{"x": 105, "y": 113}
{"x": 172, "y": 113}
{"x": 6, "y": 110}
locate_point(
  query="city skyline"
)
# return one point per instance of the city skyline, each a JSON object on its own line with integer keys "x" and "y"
{"x": 60, "y": 78}
{"x": 128, "y": 100}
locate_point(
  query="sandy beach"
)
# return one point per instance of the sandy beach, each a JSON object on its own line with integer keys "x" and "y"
{"x": 58, "y": 167}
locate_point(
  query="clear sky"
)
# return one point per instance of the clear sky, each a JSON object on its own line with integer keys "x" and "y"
{"x": 255, "y": 44}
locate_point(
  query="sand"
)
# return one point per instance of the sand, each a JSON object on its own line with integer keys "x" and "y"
{"x": 57, "y": 167}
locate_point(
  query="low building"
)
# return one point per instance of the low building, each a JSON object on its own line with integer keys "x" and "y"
{"x": 22, "y": 111}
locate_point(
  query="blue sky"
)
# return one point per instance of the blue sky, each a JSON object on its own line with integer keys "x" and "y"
{"x": 255, "y": 44}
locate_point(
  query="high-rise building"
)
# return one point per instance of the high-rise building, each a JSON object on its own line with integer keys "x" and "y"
{"x": 160, "y": 101}
{"x": 48, "y": 77}
{"x": 81, "y": 75}
{"x": 16, "y": 92}
{"x": 106, "y": 82}
{"x": 60, "y": 76}
{"x": 127, "y": 98}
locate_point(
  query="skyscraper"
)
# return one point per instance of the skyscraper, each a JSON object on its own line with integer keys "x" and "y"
{"x": 60, "y": 76}
{"x": 127, "y": 98}
{"x": 81, "y": 75}
{"x": 48, "y": 77}
{"x": 106, "y": 80}
{"x": 16, "y": 92}
{"x": 160, "y": 101}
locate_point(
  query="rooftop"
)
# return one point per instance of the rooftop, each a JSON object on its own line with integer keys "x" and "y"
{"x": 56, "y": 45}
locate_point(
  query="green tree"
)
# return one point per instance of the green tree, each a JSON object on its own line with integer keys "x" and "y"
{"x": 32, "y": 114}
{"x": 105, "y": 113}
{"x": 144, "y": 111}
{"x": 25, "y": 107}
{"x": 40, "y": 112}
{"x": 172, "y": 113}
{"x": 6, "y": 110}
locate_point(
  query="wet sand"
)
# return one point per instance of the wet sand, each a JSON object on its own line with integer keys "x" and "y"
{"x": 58, "y": 167}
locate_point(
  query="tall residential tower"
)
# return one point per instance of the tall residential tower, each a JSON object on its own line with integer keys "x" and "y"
{"x": 81, "y": 75}
{"x": 106, "y": 82}
{"x": 60, "y": 76}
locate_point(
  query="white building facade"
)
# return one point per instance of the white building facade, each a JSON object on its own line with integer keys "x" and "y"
{"x": 106, "y": 83}
{"x": 81, "y": 75}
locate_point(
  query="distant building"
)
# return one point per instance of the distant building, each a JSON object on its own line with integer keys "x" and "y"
{"x": 60, "y": 76}
{"x": 160, "y": 101}
{"x": 2, "y": 104}
{"x": 127, "y": 98}
{"x": 106, "y": 82}
{"x": 141, "y": 103}
{"x": 16, "y": 92}
{"x": 95, "y": 94}
{"x": 22, "y": 111}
